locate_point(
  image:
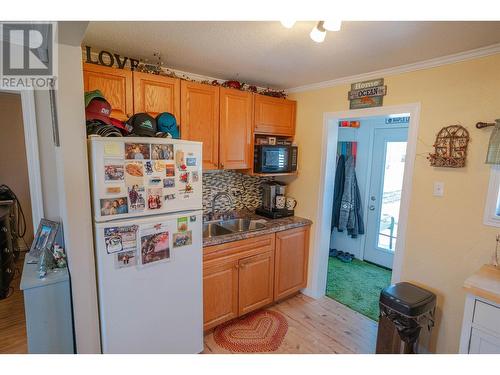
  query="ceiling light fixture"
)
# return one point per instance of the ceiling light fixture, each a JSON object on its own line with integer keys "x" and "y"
{"x": 318, "y": 34}
{"x": 332, "y": 25}
{"x": 288, "y": 24}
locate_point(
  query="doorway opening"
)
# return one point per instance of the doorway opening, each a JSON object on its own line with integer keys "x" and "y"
{"x": 369, "y": 173}
{"x": 21, "y": 208}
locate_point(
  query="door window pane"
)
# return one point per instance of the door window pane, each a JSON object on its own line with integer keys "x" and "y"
{"x": 394, "y": 167}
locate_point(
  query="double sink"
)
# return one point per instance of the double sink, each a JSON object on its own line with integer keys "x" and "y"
{"x": 220, "y": 228}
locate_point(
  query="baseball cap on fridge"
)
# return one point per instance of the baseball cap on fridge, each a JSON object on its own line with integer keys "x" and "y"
{"x": 98, "y": 109}
{"x": 167, "y": 125}
{"x": 142, "y": 125}
{"x": 96, "y": 94}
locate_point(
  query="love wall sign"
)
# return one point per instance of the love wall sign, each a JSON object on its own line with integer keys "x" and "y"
{"x": 110, "y": 59}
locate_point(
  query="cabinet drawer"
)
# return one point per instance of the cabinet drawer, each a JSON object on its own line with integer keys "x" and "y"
{"x": 487, "y": 316}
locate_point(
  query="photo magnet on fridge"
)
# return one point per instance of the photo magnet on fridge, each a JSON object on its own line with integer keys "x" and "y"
{"x": 154, "y": 198}
{"x": 136, "y": 196}
{"x": 169, "y": 182}
{"x": 113, "y": 171}
{"x": 183, "y": 239}
{"x": 154, "y": 246}
{"x": 162, "y": 152}
{"x": 191, "y": 162}
{"x": 125, "y": 259}
{"x": 170, "y": 170}
{"x": 120, "y": 238}
{"x": 114, "y": 206}
{"x": 182, "y": 224}
{"x": 138, "y": 151}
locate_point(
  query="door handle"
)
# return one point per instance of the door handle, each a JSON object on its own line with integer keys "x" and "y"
{"x": 372, "y": 207}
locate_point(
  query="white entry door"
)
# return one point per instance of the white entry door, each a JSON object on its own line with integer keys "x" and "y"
{"x": 386, "y": 182}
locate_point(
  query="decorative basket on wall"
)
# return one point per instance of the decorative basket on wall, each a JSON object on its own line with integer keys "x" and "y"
{"x": 450, "y": 148}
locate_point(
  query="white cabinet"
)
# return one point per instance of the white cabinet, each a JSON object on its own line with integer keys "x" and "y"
{"x": 481, "y": 327}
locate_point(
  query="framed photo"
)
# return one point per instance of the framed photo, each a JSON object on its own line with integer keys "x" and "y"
{"x": 44, "y": 238}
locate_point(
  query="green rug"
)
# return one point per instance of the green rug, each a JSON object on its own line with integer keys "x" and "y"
{"x": 357, "y": 285}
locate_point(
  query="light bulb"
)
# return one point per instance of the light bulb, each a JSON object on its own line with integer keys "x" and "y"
{"x": 332, "y": 25}
{"x": 288, "y": 24}
{"x": 318, "y": 33}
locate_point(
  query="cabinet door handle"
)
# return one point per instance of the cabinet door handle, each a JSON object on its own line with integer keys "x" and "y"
{"x": 222, "y": 165}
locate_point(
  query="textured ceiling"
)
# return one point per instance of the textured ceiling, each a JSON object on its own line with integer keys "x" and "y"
{"x": 267, "y": 54}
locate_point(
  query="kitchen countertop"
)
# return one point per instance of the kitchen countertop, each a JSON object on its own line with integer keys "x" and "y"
{"x": 485, "y": 283}
{"x": 271, "y": 226}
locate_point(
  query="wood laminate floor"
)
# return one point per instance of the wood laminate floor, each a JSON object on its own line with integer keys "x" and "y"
{"x": 314, "y": 326}
{"x": 12, "y": 321}
{"x": 318, "y": 326}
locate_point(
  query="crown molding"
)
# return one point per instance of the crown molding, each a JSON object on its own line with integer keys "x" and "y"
{"x": 426, "y": 64}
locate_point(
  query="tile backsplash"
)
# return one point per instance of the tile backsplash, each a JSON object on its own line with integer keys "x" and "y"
{"x": 245, "y": 190}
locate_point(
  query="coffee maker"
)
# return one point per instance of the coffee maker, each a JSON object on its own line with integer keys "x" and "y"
{"x": 270, "y": 190}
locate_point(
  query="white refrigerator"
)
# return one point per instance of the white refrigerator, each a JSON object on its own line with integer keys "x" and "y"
{"x": 147, "y": 207}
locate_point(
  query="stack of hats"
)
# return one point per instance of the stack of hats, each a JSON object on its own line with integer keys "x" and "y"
{"x": 98, "y": 119}
{"x": 163, "y": 126}
{"x": 99, "y": 122}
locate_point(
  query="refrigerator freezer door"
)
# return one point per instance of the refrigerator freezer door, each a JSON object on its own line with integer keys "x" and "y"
{"x": 150, "y": 284}
{"x": 134, "y": 177}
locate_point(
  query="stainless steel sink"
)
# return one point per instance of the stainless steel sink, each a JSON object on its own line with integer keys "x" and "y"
{"x": 220, "y": 228}
{"x": 241, "y": 225}
{"x": 214, "y": 230}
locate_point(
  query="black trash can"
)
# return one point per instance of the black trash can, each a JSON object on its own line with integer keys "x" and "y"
{"x": 404, "y": 310}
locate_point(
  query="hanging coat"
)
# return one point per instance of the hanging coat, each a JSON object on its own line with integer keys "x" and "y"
{"x": 338, "y": 190}
{"x": 351, "y": 217}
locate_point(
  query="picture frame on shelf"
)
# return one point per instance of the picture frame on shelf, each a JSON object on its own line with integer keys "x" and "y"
{"x": 44, "y": 237}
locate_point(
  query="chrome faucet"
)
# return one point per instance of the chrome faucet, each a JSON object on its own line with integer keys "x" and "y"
{"x": 218, "y": 195}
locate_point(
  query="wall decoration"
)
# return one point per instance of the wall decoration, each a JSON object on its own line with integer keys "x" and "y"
{"x": 450, "y": 148}
{"x": 110, "y": 59}
{"x": 158, "y": 67}
{"x": 367, "y": 94}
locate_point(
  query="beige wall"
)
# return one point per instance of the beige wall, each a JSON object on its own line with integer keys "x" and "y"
{"x": 13, "y": 163}
{"x": 74, "y": 199}
{"x": 446, "y": 238}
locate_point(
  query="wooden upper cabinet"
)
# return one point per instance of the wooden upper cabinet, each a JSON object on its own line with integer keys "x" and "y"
{"x": 115, "y": 85}
{"x": 155, "y": 94}
{"x": 220, "y": 292}
{"x": 236, "y": 123}
{"x": 255, "y": 282}
{"x": 292, "y": 254}
{"x": 200, "y": 119}
{"x": 274, "y": 116}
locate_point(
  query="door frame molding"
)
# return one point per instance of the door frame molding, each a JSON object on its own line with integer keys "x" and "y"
{"x": 319, "y": 266}
{"x": 32, "y": 152}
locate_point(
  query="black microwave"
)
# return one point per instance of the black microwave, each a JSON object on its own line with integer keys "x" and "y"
{"x": 275, "y": 159}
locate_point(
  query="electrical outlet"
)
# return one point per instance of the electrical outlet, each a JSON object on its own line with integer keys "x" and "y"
{"x": 438, "y": 189}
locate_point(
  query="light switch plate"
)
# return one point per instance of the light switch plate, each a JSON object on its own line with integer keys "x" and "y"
{"x": 438, "y": 189}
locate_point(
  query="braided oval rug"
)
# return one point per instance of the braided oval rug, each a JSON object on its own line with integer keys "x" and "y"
{"x": 261, "y": 331}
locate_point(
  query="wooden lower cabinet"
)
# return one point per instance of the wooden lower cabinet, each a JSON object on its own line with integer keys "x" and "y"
{"x": 255, "y": 282}
{"x": 292, "y": 254}
{"x": 220, "y": 292}
{"x": 243, "y": 276}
